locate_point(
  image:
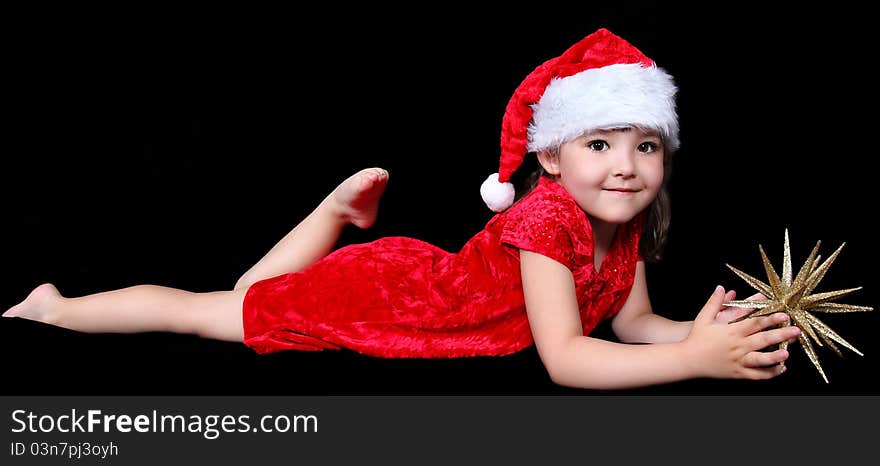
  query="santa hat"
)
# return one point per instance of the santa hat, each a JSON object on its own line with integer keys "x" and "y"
{"x": 600, "y": 82}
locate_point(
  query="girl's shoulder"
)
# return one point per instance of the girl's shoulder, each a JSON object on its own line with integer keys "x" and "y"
{"x": 548, "y": 221}
{"x": 547, "y": 203}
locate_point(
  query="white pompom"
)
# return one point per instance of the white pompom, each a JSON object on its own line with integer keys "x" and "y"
{"x": 498, "y": 196}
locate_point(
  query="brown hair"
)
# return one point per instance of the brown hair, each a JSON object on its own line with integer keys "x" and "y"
{"x": 657, "y": 214}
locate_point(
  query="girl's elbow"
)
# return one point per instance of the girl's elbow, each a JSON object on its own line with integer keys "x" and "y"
{"x": 570, "y": 379}
{"x": 560, "y": 370}
{"x": 621, "y": 331}
{"x": 627, "y": 330}
{"x": 563, "y": 381}
{"x": 570, "y": 368}
{"x": 555, "y": 374}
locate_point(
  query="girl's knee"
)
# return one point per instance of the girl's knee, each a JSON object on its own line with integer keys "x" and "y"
{"x": 243, "y": 283}
{"x": 215, "y": 315}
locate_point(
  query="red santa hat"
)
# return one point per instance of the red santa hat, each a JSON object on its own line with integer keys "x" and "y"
{"x": 600, "y": 82}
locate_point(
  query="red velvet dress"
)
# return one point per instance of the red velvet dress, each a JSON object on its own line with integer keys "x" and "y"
{"x": 403, "y": 298}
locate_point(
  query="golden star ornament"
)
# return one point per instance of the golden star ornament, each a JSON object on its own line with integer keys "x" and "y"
{"x": 795, "y": 297}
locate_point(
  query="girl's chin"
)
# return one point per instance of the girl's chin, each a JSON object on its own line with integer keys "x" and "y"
{"x": 619, "y": 219}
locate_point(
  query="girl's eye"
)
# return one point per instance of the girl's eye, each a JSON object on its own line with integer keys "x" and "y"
{"x": 648, "y": 147}
{"x": 597, "y": 145}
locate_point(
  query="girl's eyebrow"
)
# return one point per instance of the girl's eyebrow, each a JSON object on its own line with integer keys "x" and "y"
{"x": 600, "y": 132}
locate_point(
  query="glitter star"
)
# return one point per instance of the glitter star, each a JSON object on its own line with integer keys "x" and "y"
{"x": 795, "y": 298}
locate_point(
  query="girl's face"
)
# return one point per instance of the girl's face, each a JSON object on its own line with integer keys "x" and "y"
{"x": 612, "y": 174}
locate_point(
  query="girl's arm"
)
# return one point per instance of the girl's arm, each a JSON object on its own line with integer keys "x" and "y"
{"x": 712, "y": 349}
{"x": 636, "y": 321}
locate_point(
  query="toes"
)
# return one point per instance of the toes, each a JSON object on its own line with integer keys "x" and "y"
{"x": 366, "y": 178}
{"x": 374, "y": 177}
{"x": 366, "y": 182}
{"x": 379, "y": 174}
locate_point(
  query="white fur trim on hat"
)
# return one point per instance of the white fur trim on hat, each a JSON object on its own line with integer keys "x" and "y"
{"x": 612, "y": 96}
{"x": 498, "y": 196}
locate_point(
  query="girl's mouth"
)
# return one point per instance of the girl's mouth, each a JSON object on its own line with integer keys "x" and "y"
{"x": 622, "y": 191}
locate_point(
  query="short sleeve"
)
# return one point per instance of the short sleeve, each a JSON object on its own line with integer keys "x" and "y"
{"x": 543, "y": 225}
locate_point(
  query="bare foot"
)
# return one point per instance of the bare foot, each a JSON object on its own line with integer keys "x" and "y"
{"x": 357, "y": 198}
{"x": 36, "y": 306}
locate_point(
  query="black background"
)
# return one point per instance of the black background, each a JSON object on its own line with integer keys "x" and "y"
{"x": 175, "y": 148}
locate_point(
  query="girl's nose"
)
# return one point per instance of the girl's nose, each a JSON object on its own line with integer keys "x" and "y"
{"x": 624, "y": 165}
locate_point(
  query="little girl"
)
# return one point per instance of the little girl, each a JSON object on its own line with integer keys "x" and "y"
{"x": 545, "y": 270}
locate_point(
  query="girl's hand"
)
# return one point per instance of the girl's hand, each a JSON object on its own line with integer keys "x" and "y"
{"x": 729, "y": 314}
{"x": 715, "y": 348}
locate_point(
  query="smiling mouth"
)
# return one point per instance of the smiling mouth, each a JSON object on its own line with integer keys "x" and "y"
{"x": 623, "y": 191}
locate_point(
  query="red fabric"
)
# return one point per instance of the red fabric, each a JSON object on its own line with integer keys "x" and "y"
{"x": 403, "y": 298}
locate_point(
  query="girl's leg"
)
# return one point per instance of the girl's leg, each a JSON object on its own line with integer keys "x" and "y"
{"x": 141, "y": 308}
{"x": 355, "y": 201}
